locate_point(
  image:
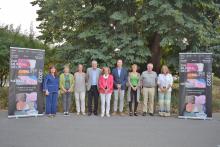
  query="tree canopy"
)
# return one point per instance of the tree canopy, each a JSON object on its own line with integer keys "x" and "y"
{"x": 137, "y": 31}
{"x": 10, "y": 37}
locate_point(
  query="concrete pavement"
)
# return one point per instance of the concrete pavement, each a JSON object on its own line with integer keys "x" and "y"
{"x": 84, "y": 131}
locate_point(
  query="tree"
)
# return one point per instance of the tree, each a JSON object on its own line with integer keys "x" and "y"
{"x": 93, "y": 30}
{"x": 179, "y": 26}
{"x": 138, "y": 31}
{"x": 13, "y": 37}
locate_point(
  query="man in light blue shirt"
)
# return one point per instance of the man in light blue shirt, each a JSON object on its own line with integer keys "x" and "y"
{"x": 92, "y": 77}
{"x": 119, "y": 71}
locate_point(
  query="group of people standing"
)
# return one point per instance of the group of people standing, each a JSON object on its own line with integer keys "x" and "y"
{"x": 102, "y": 82}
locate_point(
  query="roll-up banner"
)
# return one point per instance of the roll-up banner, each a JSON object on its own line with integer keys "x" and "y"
{"x": 195, "y": 71}
{"x": 25, "y": 85}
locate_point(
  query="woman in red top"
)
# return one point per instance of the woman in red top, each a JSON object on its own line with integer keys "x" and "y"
{"x": 105, "y": 90}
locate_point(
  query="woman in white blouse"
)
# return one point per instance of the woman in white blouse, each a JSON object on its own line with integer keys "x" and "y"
{"x": 165, "y": 82}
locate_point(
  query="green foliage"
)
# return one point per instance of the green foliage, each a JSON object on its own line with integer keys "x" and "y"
{"x": 184, "y": 26}
{"x": 3, "y": 98}
{"x": 107, "y": 30}
{"x": 10, "y": 37}
{"x": 101, "y": 30}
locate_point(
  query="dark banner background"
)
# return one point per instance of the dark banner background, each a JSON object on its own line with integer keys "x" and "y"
{"x": 35, "y": 55}
{"x": 206, "y": 59}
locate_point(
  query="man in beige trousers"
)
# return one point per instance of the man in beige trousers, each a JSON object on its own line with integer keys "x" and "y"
{"x": 149, "y": 83}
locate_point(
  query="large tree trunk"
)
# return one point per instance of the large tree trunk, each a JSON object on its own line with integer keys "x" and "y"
{"x": 155, "y": 52}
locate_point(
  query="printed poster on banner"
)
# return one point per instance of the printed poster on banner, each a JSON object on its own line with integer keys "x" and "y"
{"x": 25, "y": 85}
{"x": 195, "y": 85}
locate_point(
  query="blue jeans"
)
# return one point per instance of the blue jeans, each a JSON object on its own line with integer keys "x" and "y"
{"x": 51, "y": 103}
{"x": 164, "y": 101}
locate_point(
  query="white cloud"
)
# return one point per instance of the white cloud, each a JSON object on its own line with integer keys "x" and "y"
{"x": 19, "y": 12}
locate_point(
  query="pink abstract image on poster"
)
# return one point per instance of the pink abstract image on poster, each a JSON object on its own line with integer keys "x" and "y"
{"x": 189, "y": 107}
{"x": 26, "y": 63}
{"x": 201, "y": 99}
{"x": 26, "y": 101}
{"x": 26, "y": 80}
{"x": 31, "y": 97}
{"x": 195, "y": 83}
{"x": 20, "y": 101}
{"x": 195, "y": 67}
{"x": 198, "y": 108}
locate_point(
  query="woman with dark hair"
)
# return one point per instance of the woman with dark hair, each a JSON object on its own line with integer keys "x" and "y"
{"x": 51, "y": 88}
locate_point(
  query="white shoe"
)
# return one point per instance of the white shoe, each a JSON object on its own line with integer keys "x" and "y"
{"x": 167, "y": 114}
{"x": 77, "y": 113}
{"x": 102, "y": 115}
{"x": 108, "y": 115}
{"x": 161, "y": 113}
{"x": 83, "y": 113}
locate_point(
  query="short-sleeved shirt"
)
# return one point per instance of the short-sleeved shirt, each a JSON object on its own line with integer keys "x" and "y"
{"x": 149, "y": 79}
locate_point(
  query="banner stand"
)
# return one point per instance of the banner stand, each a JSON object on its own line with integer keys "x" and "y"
{"x": 195, "y": 118}
{"x": 195, "y": 86}
{"x": 25, "y": 82}
{"x": 22, "y": 116}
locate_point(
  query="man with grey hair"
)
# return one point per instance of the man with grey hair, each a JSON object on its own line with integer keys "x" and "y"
{"x": 149, "y": 83}
{"x": 92, "y": 77}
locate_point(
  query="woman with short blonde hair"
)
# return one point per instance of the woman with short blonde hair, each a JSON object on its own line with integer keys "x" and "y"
{"x": 66, "y": 88}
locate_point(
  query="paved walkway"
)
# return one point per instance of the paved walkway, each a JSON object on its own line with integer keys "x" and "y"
{"x": 84, "y": 131}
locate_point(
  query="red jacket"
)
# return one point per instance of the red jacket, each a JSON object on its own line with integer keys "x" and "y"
{"x": 103, "y": 83}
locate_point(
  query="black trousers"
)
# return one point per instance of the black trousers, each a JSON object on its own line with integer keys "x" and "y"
{"x": 133, "y": 98}
{"x": 93, "y": 95}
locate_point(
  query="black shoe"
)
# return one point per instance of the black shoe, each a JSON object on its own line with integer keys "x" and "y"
{"x": 144, "y": 114}
{"x": 135, "y": 114}
{"x": 95, "y": 113}
{"x": 151, "y": 114}
{"x": 89, "y": 114}
{"x": 130, "y": 114}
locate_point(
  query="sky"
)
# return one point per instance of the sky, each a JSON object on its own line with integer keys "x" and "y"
{"x": 19, "y": 12}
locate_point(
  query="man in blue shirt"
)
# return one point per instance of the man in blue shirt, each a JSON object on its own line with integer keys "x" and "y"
{"x": 120, "y": 75}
